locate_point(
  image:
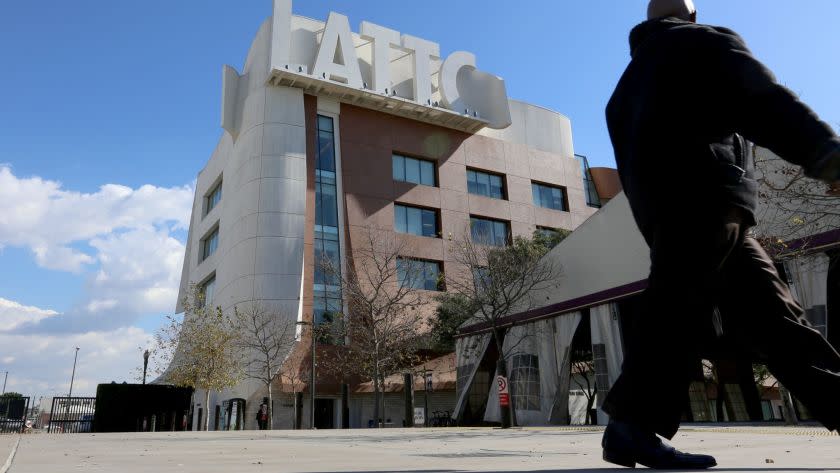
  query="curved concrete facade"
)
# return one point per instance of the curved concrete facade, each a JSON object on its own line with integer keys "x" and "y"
{"x": 265, "y": 163}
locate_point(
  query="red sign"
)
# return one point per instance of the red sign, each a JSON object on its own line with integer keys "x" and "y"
{"x": 504, "y": 394}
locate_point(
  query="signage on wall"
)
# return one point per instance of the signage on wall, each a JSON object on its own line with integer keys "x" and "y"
{"x": 504, "y": 392}
{"x": 461, "y": 87}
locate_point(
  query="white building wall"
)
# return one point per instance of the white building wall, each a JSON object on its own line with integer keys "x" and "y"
{"x": 262, "y": 211}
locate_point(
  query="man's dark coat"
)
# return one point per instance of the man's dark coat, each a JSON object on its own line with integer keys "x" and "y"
{"x": 680, "y": 115}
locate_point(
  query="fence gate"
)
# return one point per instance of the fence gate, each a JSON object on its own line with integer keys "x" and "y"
{"x": 71, "y": 415}
{"x": 13, "y": 412}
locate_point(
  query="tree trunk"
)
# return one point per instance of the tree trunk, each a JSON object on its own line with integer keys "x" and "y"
{"x": 376, "y": 395}
{"x": 270, "y": 409}
{"x": 501, "y": 371}
{"x": 504, "y": 410}
{"x": 589, "y": 403}
{"x": 206, "y": 410}
{"x": 382, "y": 396}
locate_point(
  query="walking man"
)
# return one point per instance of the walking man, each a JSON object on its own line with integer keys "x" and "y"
{"x": 680, "y": 120}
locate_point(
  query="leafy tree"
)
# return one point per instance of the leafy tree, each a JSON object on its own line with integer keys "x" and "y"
{"x": 202, "y": 349}
{"x": 452, "y": 311}
{"x": 12, "y": 394}
{"x": 500, "y": 281}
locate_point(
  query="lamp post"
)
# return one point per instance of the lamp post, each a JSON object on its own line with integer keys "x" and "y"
{"x": 145, "y": 364}
{"x": 4, "y": 382}
{"x": 73, "y": 376}
{"x": 311, "y": 375}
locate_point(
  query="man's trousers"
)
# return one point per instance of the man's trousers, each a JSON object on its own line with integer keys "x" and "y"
{"x": 713, "y": 289}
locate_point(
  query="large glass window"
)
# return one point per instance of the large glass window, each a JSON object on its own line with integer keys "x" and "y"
{"x": 207, "y": 291}
{"x": 415, "y": 221}
{"x": 213, "y": 198}
{"x": 209, "y": 244}
{"x": 549, "y": 197}
{"x": 482, "y": 183}
{"x": 415, "y": 171}
{"x": 327, "y": 287}
{"x": 592, "y": 198}
{"x": 419, "y": 274}
{"x": 489, "y": 232}
{"x": 525, "y": 381}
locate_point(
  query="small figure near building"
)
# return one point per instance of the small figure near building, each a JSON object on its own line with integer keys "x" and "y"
{"x": 262, "y": 415}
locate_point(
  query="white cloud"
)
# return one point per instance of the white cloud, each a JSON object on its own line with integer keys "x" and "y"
{"x": 119, "y": 238}
{"x": 41, "y": 365}
{"x": 40, "y": 215}
{"x": 13, "y": 315}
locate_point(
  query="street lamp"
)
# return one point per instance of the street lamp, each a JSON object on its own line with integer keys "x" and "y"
{"x": 73, "y": 376}
{"x": 70, "y": 394}
{"x": 311, "y": 375}
{"x": 145, "y": 364}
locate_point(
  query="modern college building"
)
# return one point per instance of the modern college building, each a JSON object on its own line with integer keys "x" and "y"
{"x": 328, "y": 133}
{"x": 605, "y": 268}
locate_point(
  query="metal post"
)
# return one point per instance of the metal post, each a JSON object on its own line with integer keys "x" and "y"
{"x": 312, "y": 382}
{"x": 70, "y": 394}
{"x": 145, "y": 364}
{"x": 4, "y": 382}
{"x": 311, "y": 374}
{"x": 426, "y": 398}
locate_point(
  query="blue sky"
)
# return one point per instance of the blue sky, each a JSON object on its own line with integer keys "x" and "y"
{"x": 95, "y": 93}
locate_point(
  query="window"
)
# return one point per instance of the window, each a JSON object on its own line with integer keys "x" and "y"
{"x": 419, "y": 274}
{"x": 489, "y": 232}
{"x": 327, "y": 288}
{"x": 592, "y": 198}
{"x": 525, "y": 382}
{"x": 207, "y": 292}
{"x": 416, "y": 171}
{"x": 549, "y": 197}
{"x": 210, "y": 244}
{"x": 482, "y": 183}
{"x": 549, "y": 233}
{"x": 415, "y": 221}
{"x": 212, "y": 199}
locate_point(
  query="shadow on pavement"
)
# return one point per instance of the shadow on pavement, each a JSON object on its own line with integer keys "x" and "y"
{"x": 598, "y": 470}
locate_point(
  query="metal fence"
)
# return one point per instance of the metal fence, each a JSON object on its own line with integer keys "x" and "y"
{"x": 13, "y": 414}
{"x": 72, "y": 415}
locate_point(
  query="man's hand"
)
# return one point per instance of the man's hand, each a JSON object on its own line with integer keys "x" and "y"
{"x": 834, "y": 188}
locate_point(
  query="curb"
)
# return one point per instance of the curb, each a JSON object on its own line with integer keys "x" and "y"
{"x": 8, "y": 464}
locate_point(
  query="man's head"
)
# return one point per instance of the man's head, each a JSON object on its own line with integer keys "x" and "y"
{"x": 682, "y": 9}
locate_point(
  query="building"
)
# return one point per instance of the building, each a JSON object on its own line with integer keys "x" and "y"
{"x": 329, "y": 132}
{"x": 606, "y": 264}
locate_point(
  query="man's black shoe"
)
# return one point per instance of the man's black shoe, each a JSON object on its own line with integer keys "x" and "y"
{"x": 627, "y": 445}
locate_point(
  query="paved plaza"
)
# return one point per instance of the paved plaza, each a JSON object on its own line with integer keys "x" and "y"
{"x": 419, "y": 450}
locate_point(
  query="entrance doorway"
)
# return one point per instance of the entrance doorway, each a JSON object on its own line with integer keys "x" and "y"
{"x": 324, "y": 413}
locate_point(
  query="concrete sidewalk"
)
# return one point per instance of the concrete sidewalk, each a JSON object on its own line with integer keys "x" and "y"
{"x": 420, "y": 450}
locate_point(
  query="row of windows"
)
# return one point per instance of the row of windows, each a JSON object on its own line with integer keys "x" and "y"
{"x": 425, "y": 223}
{"x": 419, "y": 171}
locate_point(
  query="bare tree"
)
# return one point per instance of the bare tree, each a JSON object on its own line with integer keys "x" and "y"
{"x": 266, "y": 338}
{"x": 200, "y": 349}
{"x": 502, "y": 280}
{"x": 294, "y": 373}
{"x": 582, "y": 368}
{"x": 792, "y": 206}
{"x": 383, "y": 291}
